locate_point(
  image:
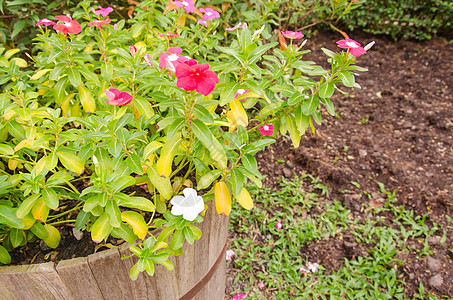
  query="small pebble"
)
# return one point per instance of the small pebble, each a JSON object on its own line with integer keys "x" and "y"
{"x": 289, "y": 164}
{"x": 434, "y": 240}
{"x": 436, "y": 281}
{"x": 43, "y": 246}
{"x": 77, "y": 234}
{"x": 362, "y": 153}
{"x": 434, "y": 265}
{"x": 287, "y": 173}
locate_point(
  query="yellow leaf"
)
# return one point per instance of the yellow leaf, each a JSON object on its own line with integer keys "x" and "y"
{"x": 21, "y": 63}
{"x": 167, "y": 154}
{"x": 40, "y": 211}
{"x": 28, "y": 222}
{"x": 222, "y": 198}
{"x": 71, "y": 161}
{"x": 12, "y": 164}
{"x": 136, "y": 221}
{"x": 10, "y": 53}
{"x": 181, "y": 22}
{"x": 22, "y": 144}
{"x": 53, "y": 238}
{"x": 39, "y": 74}
{"x": 86, "y": 98}
{"x": 101, "y": 228}
{"x": 238, "y": 113}
{"x": 244, "y": 199}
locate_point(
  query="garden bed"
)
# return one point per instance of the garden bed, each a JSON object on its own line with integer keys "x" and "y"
{"x": 396, "y": 130}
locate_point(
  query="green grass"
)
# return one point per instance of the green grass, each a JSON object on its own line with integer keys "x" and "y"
{"x": 274, "y": 257}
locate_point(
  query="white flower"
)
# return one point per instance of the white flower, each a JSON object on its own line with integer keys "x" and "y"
{"x": 189, "y": 205}
{"x": 229, "y": 254}
{"x": 313, "y": 267}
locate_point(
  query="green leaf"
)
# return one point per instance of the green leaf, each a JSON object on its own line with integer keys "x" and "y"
{"x": 162, "y": 184}
{"x": 53, "y": 236}
{"x": 293, "y": 132}
{"x": 203, "y": 114}
{"x": 74, "y": 76}
{"x": 237, "y": 181}
{"x": 249, "y": 162}
{"x": 124, "y": 232}
{"x": 347, "y": 78}
{"x": 196, "y": 231}
{"x": 271, "y": 108}
{"x": 26, "y": 206}
{"x": 122, "y": 182}
{"x": 39, "y": 230}
{"x": 101, "y": 228}
{"x": 133, "y": 162}
{"x": 188, "y": 234}
{"x": 310, "y": 105}
{"x": 6, "y": 149}
{"x": 328, "y": 52}
{"x": 329, "y": 106}
{"x": 326, "y": 90}
{"x": 5, "y": 258}
{"x": 82, "y": 219}
{"x": 206, "y": 180}
{"x": 228, "y": 93}
{"x": 114, "y": 213}
{"x": 16, "y": 236}
{"x": 135, "y": 202}
{"x": 242, "y": 135}
{"x": 177, "y": 239}
{"x": 302, "y": 121}
{"x": 50, "y": 197}
{"x": 8, "y": 217}
{"x": 205, "y": 136}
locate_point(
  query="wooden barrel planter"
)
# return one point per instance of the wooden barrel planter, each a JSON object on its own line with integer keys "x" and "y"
{"x": 198, "y": 274}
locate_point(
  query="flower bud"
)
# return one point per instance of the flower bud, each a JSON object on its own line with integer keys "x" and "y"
{"x": 133, "y": 50}
{"x": 369, "y": 45}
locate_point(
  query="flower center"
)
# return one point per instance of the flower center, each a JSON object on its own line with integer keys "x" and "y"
{"x": 265, "y": 127}
{"x": 241, "y": 91}
{"x": 352, "y": 44}
{"x": 173, "y": 57}
{"x": 209, "y": 13}
{"x": 185, "y": 3}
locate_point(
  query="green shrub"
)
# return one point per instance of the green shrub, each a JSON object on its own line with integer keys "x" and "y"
{"x": 411, "y": 19}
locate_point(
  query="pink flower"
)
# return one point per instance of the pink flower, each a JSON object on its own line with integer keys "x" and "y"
{"x": 102, "y": 11}
{"x": 209, "y": 14}
{"x": 202, "y": 22}
{"x": 304, "y": 271}
{"x": 196, "y": 77}
{"x": 69, "y": 26}
{"x": 353, "y": 47}
{"x": 268, "y": 129}
{"x": 240, "y": 92}
{"x": 261, "y": 285}
{"x": 170, "y": 59}
{"x": 99, "y": 23}
{"x": 45, "y": 22}
{"x": 239, "y": 296}
{"x": 115, "y": 27}
{"x": 292, "y": 34}
{"x": 229, "y": 254}
{"x": 169, "y": 34}
{"x": 237, "y": 26}
{"x": 187, "y": 4}
{"x": 133, "y": 50}
{"x": 148, "y": 60}
{"x": 278, "y": 225}
{"x": 313, "y": 267}
{"x": 117, "y": 98}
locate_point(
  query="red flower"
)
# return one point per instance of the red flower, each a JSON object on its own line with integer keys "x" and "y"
{"x": 99, "y": 23}
{"x": 117, "y": 98}
{"x": 69, "y": 26}
{"x": 353, "y": 47}
{"x": 169, "y": 34}
{"x": 133, "y": 50}
{"x": 267, "y": 129}
{"x": 196, "y": 77}
{"x": 292, "y": 34}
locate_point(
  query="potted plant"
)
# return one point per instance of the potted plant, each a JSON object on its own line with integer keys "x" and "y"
{"x": 139, "y": 130}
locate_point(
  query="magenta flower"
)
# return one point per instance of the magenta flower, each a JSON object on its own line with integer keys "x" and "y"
{"x": 102, "y": 11}
{"x": 240, "y": 92}
{"x": 170, "y": 59}
{"x": 45, "y": 22}
{"x": 169, "y": 34}
{"x": 99, "y": 23}
{"x": 268, "y": 129}
{"x": 353, "y": 47}
{"x": 229, "y": 254}
{"x": 239, "y": 296}
{"x": 237, "y": 26}
{"x": 292, "y": 34}
{"x": 148, "y": 60}
{"x": 187, "y": 4}
{"x": 115, "y": 27}
{"x": 202, "y": 22}
{"x": 209, "y": 14}
{"x": 304, "y": 271}
{"x": 133, "y": 50}
{"x": 117, "y": 98}
{"x": 196, "y": 77}
{"x": 69, "y": 25}
{"x": 278, "y": 225}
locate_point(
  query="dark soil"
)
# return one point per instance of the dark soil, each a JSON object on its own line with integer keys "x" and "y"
{"x": 396, "y": 130}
